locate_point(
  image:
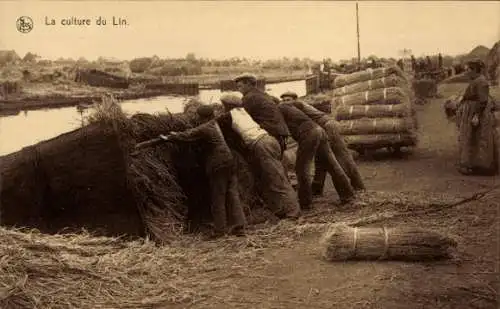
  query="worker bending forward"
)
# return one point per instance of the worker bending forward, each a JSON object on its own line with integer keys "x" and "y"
{"x": 264, "y": 155}
{"x": 226, "y": 207}
{"x": 312, "y": 141}
{"x": 337, "y": 144}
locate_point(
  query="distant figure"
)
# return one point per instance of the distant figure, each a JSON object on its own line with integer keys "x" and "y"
{"x": 400, "y": 64}
{"x": 475, "y": 119}
{"x": 413, "y": 64}
{"x": 440, "y": 61}
{"x": 429, "y": 63}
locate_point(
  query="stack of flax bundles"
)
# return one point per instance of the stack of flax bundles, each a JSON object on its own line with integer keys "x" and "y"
{"x": 374, "y": 109}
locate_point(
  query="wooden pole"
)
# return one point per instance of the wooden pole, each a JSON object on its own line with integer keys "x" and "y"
{"x": 357, "y": 31}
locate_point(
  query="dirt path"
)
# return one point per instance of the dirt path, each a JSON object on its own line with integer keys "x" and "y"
{"x": 296, "y": 277}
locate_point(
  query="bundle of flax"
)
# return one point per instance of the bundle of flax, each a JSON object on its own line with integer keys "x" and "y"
{"x": 391, "y": 95}
{"x": 341, "y": 243}
{"x": 372, "y": 84}
{"x": 376, "y": 126}
{"x": 372, "y": 111}
{"x": 380, "y": 140}
{"x": 369, "y": 74}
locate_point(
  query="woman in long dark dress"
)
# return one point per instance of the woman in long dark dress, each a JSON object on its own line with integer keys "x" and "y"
{"x": 476, "y": 125}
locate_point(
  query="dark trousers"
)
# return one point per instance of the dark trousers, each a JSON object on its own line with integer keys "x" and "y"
{"x": 227, "y": 210}
{"x": 273, "y": 184}
{"x": 315, "y": 144}
{"x": 341, "y": 152}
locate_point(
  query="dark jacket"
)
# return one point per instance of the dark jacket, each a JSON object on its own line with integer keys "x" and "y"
{"x": 478, "y": 91}
{"x": 209, "y": 136}
{"x": 265, "y": 112}
{"x": 298, "y": 123}
{"x": 316, "y": 115}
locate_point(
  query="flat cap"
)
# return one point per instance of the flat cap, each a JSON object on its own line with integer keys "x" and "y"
{"x": 231, "y": 99}
{"x": 289, "y": 94}
{"x": 245, "y": 76}
{"x": 205, "y": 111}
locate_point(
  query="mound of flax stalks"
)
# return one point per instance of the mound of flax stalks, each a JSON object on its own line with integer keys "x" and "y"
{"x": 162, "y": 178}
{"x": 342, "y": 243}
{"x": 384, "y": 82}
{"x": 362, "y": 76}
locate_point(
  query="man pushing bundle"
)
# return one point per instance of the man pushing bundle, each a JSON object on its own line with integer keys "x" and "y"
{"x": 262, "y": 108}
{"x": 312, "y": 141}
{"x": 226, "y": 208}
{"x": 337, "y": 144}
{"x": 264, "y": 154}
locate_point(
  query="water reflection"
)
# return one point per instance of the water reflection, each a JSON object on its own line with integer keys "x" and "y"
{"x": 30, "y": 127}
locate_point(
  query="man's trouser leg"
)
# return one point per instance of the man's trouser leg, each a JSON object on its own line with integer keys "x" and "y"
{"x": 276, "y": 190}
{"x": 318, "y": 183}
{"x": 339, "y": 177}
{"x": 219, "y": 181}
{"x": 343, "y": 156}
{"x": 234, "y": 208}
{"x": 306, "y": 151}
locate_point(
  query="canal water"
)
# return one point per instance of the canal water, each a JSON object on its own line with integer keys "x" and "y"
{"x": 30, "y": 127}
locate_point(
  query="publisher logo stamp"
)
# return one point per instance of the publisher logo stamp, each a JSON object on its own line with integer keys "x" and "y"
{"x": 24, "y": 24}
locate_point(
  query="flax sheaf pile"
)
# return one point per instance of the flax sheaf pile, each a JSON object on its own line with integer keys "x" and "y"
{"x": 366, "y": 75}
{"x": 81, "y": 271}
{"x": 372, "y": 84}
{"x": 375, "y": 113}
{"x": 153, "y": 173}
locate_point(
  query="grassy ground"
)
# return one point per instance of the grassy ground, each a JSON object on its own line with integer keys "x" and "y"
{"x": 279, "y": 266}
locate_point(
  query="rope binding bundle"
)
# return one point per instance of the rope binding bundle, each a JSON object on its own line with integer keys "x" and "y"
{"x": 342, "y": 242}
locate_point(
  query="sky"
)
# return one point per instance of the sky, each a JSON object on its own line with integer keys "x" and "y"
{"x": 252, "y": 29}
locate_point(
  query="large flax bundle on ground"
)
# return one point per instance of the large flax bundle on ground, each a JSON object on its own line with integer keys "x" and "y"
{"x": 342, "y": 243}
{"x": 78, "y": 179}
{"x": 391, "y": 95}
{"x": 384, "y": 82}
{"x": 425, "y": 88}
{"x": 375, "y": 126}
{"x": 380, "y": 140}
{"x": 372, "y": 111}
{"x": 369, "y": 74}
